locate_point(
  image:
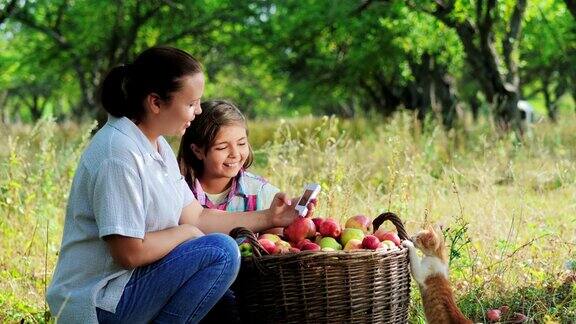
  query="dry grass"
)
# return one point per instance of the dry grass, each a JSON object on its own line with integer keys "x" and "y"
{"x": 509, "y": 206}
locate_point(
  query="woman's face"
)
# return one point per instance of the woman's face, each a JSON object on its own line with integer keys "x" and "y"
{"x": 175, "y": 115}
{"x": 227, "y": 155}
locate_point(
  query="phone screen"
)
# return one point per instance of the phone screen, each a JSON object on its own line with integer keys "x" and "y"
{"x": 305, "y": 197}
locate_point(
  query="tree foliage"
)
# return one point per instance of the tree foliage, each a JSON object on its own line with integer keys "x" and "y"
{"x": 275, "y": 57}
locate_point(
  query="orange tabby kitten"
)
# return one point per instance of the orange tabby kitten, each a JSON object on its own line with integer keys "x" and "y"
{"x": 431, "y": 274}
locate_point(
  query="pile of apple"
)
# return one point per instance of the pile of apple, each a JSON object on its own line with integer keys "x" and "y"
{"x": 320, "y": 234}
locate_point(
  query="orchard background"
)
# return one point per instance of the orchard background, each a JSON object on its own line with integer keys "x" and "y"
{"x": 408, "y": 106}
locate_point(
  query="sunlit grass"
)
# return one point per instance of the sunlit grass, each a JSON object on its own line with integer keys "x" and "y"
{"x": 512, "y": 203}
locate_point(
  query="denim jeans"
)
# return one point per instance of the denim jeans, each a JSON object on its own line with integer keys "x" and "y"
{"x": 225, "y": 311}
{"x": 181, "y": 287}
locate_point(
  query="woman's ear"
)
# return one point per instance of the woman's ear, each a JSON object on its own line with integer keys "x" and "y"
{"x": 197, "y": 151}
{"x": 152, "y": 102}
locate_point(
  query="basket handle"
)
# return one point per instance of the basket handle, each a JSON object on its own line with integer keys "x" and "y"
{"x": 249, "y": 236}
{"x": 389, "y": 216}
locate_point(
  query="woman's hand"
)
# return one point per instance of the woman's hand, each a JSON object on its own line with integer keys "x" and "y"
{"x": 130, "y": 252}
{"x": 194, "y": 232}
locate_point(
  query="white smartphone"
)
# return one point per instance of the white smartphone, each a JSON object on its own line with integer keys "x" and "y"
{"x": 310, "y": 192}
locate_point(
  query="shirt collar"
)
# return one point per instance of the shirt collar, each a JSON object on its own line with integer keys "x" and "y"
{"x": 241, "y": 183}
{"x": 238, "y": 188}
{"x": 127, "y": 127}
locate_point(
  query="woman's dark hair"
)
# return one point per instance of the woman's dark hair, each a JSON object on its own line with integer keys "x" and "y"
{"x": 157, "y": 70}
{"x": 202, "y": 133}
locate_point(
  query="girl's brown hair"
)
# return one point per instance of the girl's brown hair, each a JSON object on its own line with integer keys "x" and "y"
{"x": 202, "y": 133}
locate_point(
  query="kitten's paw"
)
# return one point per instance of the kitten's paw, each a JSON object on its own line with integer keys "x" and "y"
{"x": 408, "y": 244}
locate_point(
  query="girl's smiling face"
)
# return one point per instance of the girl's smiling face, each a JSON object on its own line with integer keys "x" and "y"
{"x": 227, "y": 154}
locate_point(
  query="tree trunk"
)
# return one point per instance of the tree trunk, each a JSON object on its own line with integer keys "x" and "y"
{"x": 548, "y": 101}
{"x": 420, "y": 96}
{"x": 506, "y": 112}
{"x": 3, "y": 99}
{"x": 475, "y": 107}
{"x": 446, "y": 96}
{"x": 478, "y": 42}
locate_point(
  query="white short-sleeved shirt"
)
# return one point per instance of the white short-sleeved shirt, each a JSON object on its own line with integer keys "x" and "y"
{"x": 122, "y": 186}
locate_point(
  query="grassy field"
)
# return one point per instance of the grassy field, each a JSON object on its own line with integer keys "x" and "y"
{"x": 509, "y": 206}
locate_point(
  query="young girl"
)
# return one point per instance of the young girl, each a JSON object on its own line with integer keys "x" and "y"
{"x": 214, "y": 155}
{"x": 133, "y": 248}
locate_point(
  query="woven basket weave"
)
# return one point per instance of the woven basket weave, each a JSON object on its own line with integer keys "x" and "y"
{"x": 362, "y": 286}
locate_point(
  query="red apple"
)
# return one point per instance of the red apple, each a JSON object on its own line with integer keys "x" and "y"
{"x": 360, "y": 222}
{"x": 331, "y": 228}
{"x": 318, "y": 221}
{"x": 384, "y": 235}
{"x": 268, "y": 245}
{"x": 310, "y": 247}
{"x": 493, "y": 315}
{"x": 301, "y": 243}
{"x": 370, "y": 242}
{"x": 519, "y": 318}
{"x": 300, "y": 229}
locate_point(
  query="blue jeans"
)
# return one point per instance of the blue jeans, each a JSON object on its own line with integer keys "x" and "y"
{"x": 225, "y": 311}
{"x": 181, "y": 287}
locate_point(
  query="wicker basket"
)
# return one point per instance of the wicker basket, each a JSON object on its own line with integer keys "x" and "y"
{"x": 325, "y": 287}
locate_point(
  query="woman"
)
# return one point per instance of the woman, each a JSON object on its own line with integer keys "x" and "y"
{"x": 133, "y": 248}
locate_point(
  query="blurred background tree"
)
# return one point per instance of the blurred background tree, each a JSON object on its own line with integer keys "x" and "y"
{"x": 440, "y": 58}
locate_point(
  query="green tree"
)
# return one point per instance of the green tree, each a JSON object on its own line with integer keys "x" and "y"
{"x": 340, "y": 57}
{"x": 478, "y": 30}
{"x": 548, "y": 54}
{"x": 86, "y": 39}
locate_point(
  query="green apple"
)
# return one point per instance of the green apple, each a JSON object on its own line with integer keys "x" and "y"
{"x": 282, "y": 247}
{"x": 351, "y": 233}
{"x": 389, "y": 244}
{"x": 245, "y": 249}
{"x": 330, "y": 242}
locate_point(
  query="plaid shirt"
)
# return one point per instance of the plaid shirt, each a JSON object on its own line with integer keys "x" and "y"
{"x": 248, "y": 192}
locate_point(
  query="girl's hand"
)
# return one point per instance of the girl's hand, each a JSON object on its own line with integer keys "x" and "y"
{"x": 311, "y": 208}
{"x": 282, "y": 210}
